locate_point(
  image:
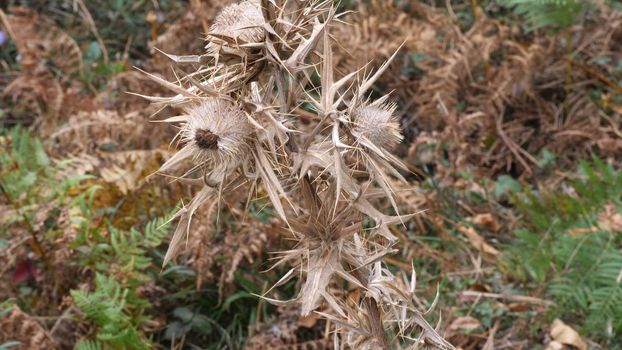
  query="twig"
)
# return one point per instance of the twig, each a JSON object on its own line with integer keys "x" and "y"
{"x": 589, "y": 70}
{"x": 490, "y": 342}
{"x": 375, "y": 323}
{"x": 89, "y": 20}
{"x": 5, "y": 23}
{"x": 515, "y": 298}
{"x": 476, "y": 10}
{"x": 514, "y": 148}
{"x": 614, "y": 128}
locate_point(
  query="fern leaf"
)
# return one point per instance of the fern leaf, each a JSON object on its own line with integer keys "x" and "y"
{"x": 89, "y": 345}
{"x": 543, "y": 13}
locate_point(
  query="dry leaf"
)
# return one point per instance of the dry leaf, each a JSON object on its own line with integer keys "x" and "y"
{"x": 465, "y": 323}
{"x": 308, "y": 321}
{"x": 490, "y": 342}
{"x": 555, "y": 345}
{"x": 486, "y": 220}
{"x": 610, "y": 218}
{"x": 126, "y": 169}
{"x": 427, "y": 34}
{"x": 564, "y": 334}
{"x": 478, "y": 241}
{"x": 518, "y": 307}
{"x": 582, "y": 231}
{"x": 354, "y": 297}
{"x": 479, "y": 287}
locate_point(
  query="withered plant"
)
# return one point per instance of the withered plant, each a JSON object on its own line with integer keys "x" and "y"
{"x": 264, "y": 106}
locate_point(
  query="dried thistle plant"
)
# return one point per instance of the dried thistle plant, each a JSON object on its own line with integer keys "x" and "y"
{"x": 252, "y": 115}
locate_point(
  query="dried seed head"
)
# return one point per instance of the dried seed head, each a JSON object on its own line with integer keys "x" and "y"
{"x": 378, "y": 124}
{"x": 205, "y": 139}
{"x": 216, "y": 131}
{"x": 242, "y": 21}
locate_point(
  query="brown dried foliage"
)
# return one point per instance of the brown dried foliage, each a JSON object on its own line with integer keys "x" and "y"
{"x": 116, "y": 97}
{"x": 283, "y": 332}
{"x": 496, "y": 97}
{"x": 185, "y": 35}
{"x": 44, "y": 49}
{"x": 217, "y": 252}
{"x": 21, "y": 327}
{"x": 45, "y": 91}
{"x": 488, "y": 97}
{"x": 41, "y": 45}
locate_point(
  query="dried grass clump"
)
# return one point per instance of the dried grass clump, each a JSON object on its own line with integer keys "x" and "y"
{"x": 253, "y": 116}
{"x": 283, "y": 332}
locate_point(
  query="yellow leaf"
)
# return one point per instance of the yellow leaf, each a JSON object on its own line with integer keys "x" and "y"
{"x": 564, "y": 334}
{"x": 478, "y": 241}
{"x": 610, "y": 218}
{"x": 465, "y": 323}
{"x": 486, "y": 220}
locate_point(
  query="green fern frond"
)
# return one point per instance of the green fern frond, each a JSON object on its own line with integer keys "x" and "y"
{"x": 11, "y": 344}
{"x": 544, "y": 13}
{"x": 583, "y": 270}
{"x": 89, "y": 345}
{"x": 110, "y": 306}
{"x": 156, "y": 230}
{"x": 106, "y": 306}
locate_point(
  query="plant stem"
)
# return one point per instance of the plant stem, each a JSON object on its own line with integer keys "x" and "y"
{"x": 374, "y": 318}
{"x": 375, "y": 323}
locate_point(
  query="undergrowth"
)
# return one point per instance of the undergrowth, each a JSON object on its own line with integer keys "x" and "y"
{"x": 556, "y": 14}
{"x": 106, "y": 306}
{"x": 571, "y": 241}
{"x": 123, "y": 266}
{"x": 128, "y": 305}
{"x": 113, "y": 273}
{"x": 81, "y": 256}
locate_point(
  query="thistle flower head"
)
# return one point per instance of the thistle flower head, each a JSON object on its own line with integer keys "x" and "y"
{"x": 333, "y": 168}
{"x": 215, "y": 133}
{"x": 378, "y": 124}
{"x": 242, "y": 21}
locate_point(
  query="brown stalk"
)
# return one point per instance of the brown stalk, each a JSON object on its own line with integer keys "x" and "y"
{"x": 86, "y": 14}
{"x": 515, "y": 148}
{"x": 375, "y": 322}
{"x": 374, "y": 316}
{"x": 589, "y": 70}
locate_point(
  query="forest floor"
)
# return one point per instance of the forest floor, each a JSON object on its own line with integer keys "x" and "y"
{"x": 513, "y": 125}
